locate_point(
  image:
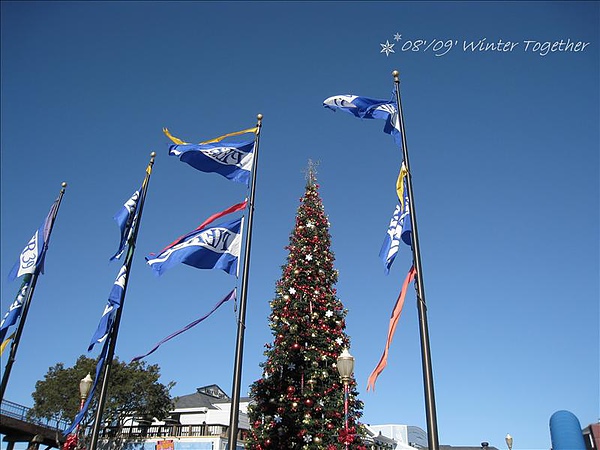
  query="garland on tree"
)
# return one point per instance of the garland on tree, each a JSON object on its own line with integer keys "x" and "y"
{"x": 299, "y": 402}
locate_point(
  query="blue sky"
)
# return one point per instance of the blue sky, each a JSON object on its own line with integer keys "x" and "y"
{"x": 505, "y": 162}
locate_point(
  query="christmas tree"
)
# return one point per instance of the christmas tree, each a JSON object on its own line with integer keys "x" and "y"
{"x": 299, "y": 401}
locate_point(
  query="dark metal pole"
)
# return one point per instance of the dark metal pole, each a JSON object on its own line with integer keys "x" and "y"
{"x": 432, "y": 431}
{"x": 239, "y": 348}
{"x": 115, "y": 326}
{"x": 27, "y": 301}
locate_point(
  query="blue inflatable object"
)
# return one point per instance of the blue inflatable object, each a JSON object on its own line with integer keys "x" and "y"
{"x": 565, "y": 431}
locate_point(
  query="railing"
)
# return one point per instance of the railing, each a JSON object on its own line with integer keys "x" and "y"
{"x": 165, "y": 431}
{"x": 20, "y": 412}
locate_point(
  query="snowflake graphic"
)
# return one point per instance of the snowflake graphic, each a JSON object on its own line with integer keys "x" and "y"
{"x": 387, "y": 48}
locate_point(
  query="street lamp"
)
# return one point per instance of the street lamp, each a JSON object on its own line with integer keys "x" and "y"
{"x": 345, "y": 366}
{"x": 509, "y": 441}
{"x": 84, "y": 389}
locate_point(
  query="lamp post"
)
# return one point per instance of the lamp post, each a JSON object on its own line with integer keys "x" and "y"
{"x": 85, "y": 385}
{"x": 345, "y": 366}
{"x": 84, "y": 389}
{"x": 509, "y": 441}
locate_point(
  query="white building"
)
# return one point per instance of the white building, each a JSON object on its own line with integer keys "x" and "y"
{"x": 199, "y": 421}
{"x": 406, "y": 437}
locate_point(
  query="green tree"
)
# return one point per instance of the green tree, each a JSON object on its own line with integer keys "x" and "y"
{"x": 133, "y": 390}
{"x": 298, "y": 403}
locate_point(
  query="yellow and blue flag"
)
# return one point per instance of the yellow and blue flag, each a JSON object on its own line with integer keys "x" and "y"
{"x": 231, "y": 160}
{"x": 400, "y": 228}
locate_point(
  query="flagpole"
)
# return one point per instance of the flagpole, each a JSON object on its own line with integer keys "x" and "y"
{"x": 432, "y": 431}
{"x": 115, "y": 326}
{"x": 27, "y": 301}
{"x": 239, "y": 349}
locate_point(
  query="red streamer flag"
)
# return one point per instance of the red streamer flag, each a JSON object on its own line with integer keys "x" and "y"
{"x": 392, "y": 329}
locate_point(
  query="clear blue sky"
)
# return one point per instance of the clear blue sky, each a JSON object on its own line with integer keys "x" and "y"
{"x": 504, "y": 149}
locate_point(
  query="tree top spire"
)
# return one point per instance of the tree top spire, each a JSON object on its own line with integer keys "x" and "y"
{"x": 311, "y": 173}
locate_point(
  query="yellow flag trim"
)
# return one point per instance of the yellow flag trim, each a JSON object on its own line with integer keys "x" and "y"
{"x": 235, "y": 133}
{"x": 400, "y": 185}
{"x": 173, "y": 138}
{"x": 5, "y": 343}
{"x": 178, "y": 141}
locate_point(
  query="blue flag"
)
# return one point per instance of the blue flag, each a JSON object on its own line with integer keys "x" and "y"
{"x": 125, "y": 218}
{"x": 399, "y": 229}
{"x": 369, "y": 108}
{"x": 216, "y": 247}
{"x": 32, "y": 256}
{"x": 232, "y": 160}
{"x": 14, "y": 311}
{"x": 108, "y": 316}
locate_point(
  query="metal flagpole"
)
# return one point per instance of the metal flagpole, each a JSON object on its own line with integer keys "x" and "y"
{"x": 432, "y": 431}
{"x": 27, "y": 301}
{"x": 239, "y": 349}
{"x": 115, "y": 326}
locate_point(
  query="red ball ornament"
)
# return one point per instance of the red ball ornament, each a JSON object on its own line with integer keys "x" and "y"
{"x": 330, "y": 426}
{"x": 295, "y": 346}
{"x": 268, "y": 442}
{"x": 308, "y": 402}
{"x": 291, "y": 389}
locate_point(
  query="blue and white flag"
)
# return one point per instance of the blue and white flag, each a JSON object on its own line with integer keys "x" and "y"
{"x": 399, "y": 229}
{"x": 108, "y": 316}
{"x": 216, "y": 247}
{"x": 125, "y": 218}
{"x": 369, "y": 108}
{"x": 14, "y": 311}
{"x": 232, "y": 160}
{"x": 32, "y": 256}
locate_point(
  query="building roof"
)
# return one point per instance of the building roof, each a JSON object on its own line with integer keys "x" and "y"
{"x": 204, "y": 397}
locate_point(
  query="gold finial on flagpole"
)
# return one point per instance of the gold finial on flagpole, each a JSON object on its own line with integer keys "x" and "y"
{"x": 395, "y": 74}
{"x": 64, "y": 184}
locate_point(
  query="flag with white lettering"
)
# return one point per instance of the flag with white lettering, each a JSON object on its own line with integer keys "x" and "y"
{"x": 32, "y": 256}
{"x": 110, "y": 310}
{"x": 14, "y": 311}
{"x": 211, "y": 219}
{"x": 400, "y": 228}
{"x": 232, "y": 160}
{"x": 368, "y": 108}
{"x": 125, "y": 218}
{"x": 216, "y": 247}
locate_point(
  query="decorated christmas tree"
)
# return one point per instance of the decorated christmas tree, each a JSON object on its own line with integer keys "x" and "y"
{"x": 299, "y": 402}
